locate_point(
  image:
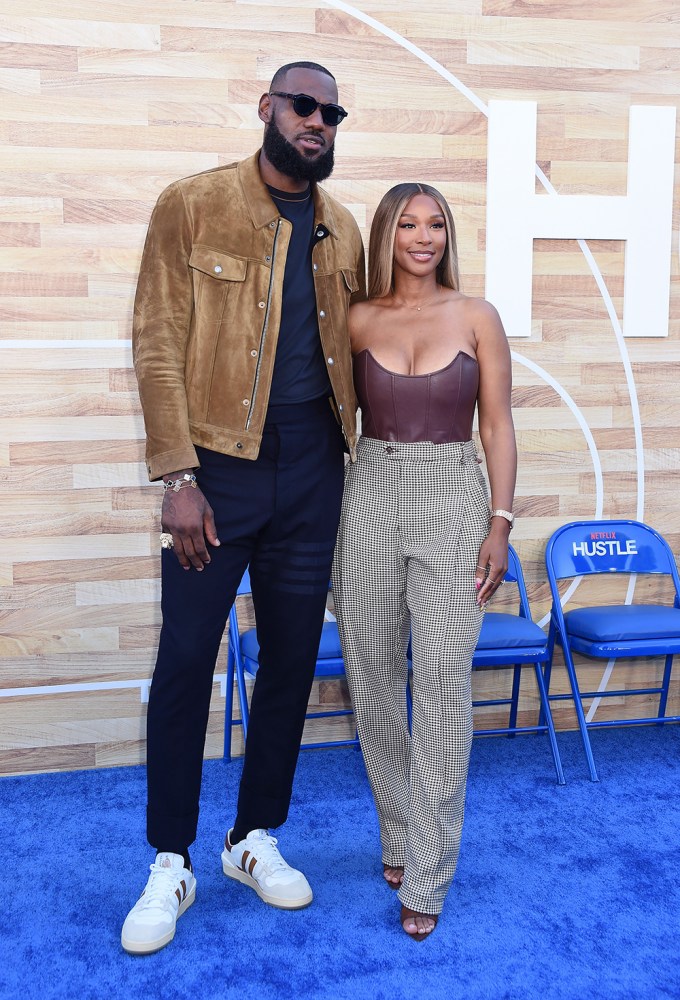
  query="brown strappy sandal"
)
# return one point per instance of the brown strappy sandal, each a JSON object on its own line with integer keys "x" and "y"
{"x": 419, "y": 935}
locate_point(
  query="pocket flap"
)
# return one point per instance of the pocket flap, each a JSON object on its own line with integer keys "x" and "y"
{"x": 351, "y": 279}
{"x": 218, "y": 264}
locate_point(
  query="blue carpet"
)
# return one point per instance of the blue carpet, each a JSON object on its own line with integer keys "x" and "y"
{"x": 561, "y": 893}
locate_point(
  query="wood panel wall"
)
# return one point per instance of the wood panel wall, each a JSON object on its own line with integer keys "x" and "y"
{"x": 101, "y": 106}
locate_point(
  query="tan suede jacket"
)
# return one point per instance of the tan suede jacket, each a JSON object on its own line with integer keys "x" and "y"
{"x": 208, "y": 308}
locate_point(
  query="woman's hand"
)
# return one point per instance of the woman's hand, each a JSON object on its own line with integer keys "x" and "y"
{"x": 492, "y": 561}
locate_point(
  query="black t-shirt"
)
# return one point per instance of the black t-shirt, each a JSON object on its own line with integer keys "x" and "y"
{"x": 299, "y": 368}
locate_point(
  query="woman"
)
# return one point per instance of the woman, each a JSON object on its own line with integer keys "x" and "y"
{"x": 420, "y": 549}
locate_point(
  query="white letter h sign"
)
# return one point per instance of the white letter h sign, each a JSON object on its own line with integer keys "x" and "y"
{"x": 516, "y": 215}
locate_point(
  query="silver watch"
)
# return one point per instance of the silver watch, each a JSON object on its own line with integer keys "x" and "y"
{"x": 507, "y": 514}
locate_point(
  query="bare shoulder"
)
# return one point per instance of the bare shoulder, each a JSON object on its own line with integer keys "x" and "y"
{"x": 360, "y": 312}
{"x": 484, "y": 320}
{"x": 362, "y": 319}
{"x": 481, "y": 312}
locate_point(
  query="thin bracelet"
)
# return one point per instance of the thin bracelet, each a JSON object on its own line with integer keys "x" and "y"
{"x": 179, "y": 484}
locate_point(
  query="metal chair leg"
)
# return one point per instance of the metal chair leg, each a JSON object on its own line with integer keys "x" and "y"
{"x": 545, "y": 707}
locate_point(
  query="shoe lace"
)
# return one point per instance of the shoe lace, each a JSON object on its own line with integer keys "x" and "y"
{"x": 162, "y": 883}
{"x": 268, "y": 853}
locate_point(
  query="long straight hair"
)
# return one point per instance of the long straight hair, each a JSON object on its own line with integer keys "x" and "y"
{"x": 383, "y": 232}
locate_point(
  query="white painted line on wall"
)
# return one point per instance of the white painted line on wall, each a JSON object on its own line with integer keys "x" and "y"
{"x": 592, "y": 447}
{"x": 51, "y": 689}
{"x": 29, "y": 343}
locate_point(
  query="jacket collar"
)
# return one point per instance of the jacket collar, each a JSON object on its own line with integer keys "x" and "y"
{"x": 262, "y": 209}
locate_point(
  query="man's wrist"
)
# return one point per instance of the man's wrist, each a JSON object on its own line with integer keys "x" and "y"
{"x": 178, "y": 473}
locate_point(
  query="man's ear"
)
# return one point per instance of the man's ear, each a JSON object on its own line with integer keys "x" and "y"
{"x": 264, "y": 109}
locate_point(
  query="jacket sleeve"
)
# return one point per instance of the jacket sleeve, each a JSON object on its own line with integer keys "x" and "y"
{"x": 160, "y": 331}
{"x": 360, "y": 295}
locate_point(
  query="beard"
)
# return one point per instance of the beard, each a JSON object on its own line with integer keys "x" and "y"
{"x": 285, "y": 157}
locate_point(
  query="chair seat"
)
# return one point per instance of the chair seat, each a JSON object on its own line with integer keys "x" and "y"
{"x": 501, "y": 631}
{"x": 624, "y": 623}
{"x": 329, "y": 651}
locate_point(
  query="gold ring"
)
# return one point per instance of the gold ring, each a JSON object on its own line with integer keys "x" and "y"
{"x": 166, "y": 540}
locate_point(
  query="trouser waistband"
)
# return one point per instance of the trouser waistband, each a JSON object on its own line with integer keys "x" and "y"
{"x": 417, "y": 451}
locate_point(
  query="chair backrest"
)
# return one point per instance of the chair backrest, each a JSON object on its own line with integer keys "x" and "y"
{"x": 504, "y": 635}
{"x": 582, "y": 548}
{"x": 244, "y": 586}
{"x": 514, "y": 574}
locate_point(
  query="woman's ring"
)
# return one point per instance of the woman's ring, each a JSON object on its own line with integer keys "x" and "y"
{"x": 166, "y": 540}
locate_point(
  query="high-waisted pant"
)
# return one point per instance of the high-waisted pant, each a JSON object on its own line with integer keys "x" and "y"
{"x": 413, "y": 519}
{"x": 280, "y": 515}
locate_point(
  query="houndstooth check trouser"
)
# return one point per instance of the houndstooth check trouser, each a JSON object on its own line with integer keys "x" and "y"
{"x": 413, "y": 519}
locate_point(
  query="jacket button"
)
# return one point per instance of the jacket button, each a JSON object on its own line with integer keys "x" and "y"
{"x": 217, "y": 269}
{"x": 238, "y": 444}
{"x": 246, "y": 402}
{"x": 322, "y": 314}
{"x": 267, "y": 258}
{"x": 316, "y": 267}
{"x": 253, "y": 354}
{"x": 261, "y": 305}
{"x": 272, "y": 225}
{"x": 330, "y": 361}
{"x": 340, "y": 407}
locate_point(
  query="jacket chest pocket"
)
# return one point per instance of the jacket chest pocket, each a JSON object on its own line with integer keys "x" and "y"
{"x": 335, "y": 287}
{"x": 218, "y": 279}
{"x": 214, "y": 272}
{"x": 350, "y": 279}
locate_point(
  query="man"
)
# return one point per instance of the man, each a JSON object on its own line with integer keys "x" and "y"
{"x": 244, "y": 368}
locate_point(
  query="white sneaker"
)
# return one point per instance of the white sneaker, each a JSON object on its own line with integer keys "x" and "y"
{"x": 257, "y": 862}
{"x": 151, "y": 922}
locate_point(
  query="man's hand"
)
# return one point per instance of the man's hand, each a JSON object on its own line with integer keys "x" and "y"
{"x": 189, "y": 518}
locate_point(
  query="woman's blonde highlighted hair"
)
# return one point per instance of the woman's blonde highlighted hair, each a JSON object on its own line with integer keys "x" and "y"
{"x": 383, "y": 231}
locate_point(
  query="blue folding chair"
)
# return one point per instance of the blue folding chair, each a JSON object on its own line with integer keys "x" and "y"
{"x": 242, "y": 661}
{"x": 612, "y": 631}
{"x": 514, "y": 640}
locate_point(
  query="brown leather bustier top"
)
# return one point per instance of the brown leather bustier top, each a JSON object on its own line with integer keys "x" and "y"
{"x": 437, "y": 407}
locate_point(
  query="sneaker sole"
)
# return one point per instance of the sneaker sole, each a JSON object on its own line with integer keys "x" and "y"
{"x": 148, "y": 947}
{"x": 280, "y": 903}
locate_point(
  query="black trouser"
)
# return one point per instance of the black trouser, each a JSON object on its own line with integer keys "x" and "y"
{"x": 279, "y": 515}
